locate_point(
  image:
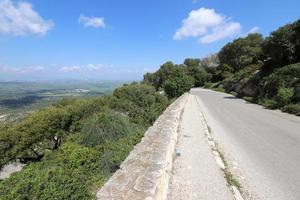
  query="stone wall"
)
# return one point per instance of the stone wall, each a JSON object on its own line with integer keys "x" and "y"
{"x": 144, "y": 175}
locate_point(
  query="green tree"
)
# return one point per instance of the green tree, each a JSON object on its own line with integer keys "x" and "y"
{"x": 160, "y": 76}
{"x": 282, "y": 46}
{"x": 140, "y": 102}
{"x": 242, "y": 51}
{"x": 192, "y": 62}
{"x": 196, "y": 70}
{"x": 178, "y": 84}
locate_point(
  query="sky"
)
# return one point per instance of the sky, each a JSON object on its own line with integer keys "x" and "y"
{"x": 124, "y": 39}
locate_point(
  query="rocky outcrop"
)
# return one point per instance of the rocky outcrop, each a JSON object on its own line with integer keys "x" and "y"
{"x": 145, "y": 172}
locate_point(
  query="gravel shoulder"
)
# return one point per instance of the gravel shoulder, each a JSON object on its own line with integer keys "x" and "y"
{"x": 196, "y": 174}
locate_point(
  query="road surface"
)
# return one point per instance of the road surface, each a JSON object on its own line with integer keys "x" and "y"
{"x": 262, "y": 146}
{"x": 196, "y": 174}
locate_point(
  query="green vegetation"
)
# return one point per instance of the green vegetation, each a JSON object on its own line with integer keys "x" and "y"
{"x": 178, "y": 84}
{"x": 73, "y": 146}
{"x": 19, "y": 97}
{"x": 260, "y": 70}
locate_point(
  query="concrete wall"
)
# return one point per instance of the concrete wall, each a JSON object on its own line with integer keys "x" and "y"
{"x": 145, "y": 172}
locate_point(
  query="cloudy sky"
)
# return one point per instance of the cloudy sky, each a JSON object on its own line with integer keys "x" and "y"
{"x": 114, "y": 39}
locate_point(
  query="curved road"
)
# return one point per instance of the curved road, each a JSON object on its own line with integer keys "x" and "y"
{"x": 262, "y": 146}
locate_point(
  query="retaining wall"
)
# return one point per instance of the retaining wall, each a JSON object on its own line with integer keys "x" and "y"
{"x": 144, "y": 175}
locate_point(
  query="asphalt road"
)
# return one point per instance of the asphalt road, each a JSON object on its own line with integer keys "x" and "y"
{"x": 194, "y": 178}
{"x": 262, "y": 146}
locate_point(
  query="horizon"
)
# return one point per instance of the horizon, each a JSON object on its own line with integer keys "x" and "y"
{"x": 121, "y": 41}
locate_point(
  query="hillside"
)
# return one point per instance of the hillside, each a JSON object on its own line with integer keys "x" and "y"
{"x": 260, "y": 70}
{"x": 72, "y": 147}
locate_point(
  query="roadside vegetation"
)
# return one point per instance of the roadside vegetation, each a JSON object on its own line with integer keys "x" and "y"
{"x": 72, "y": 147}
{"x": 260, "y": 70}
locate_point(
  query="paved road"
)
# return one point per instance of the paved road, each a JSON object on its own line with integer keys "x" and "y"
{"x": 263, "y": 145}
{"x": 196, "y": 174}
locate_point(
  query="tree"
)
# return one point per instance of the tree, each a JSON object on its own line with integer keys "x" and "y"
{"x": 242, "y": 51}
{"x": 178, "y": 84}
{"x": 191, "y": 62}
{"x": 41, "y": 131}
{"x": 296, "y": 40}
{"x": 282, "y": 46}
{"x": 159, "y": 77}
{"x": 140, "y": 102}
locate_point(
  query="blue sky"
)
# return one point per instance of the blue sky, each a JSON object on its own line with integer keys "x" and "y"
{"x": 121, "y": 40}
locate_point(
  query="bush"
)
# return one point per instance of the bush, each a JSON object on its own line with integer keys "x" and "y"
{"x": 284, "y": 96}
{"x": 73, "y": 146}
{"x": 64, "y": 174}
{"x": 233, "y": 93}
{"x": 287, "y": 76}
{"x": 249, "y": 99}
{"x": 178, "y": 84}
{"x": 208, "y": 85}
{"x": 160, "y": 76}
{"x": 268, "y": 103}
{"x": 140, "y": 102}
{"x": 102, "y": 127}
{"x": 292, "y": 108}
{"x": 219, "y": 89}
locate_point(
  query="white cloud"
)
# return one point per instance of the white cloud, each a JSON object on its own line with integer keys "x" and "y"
{"x": 95, "y": 22}
{"x": 20, "y": 19}
{"x": 77, "y": 68}
{"x": 208, "y": 26}
{"x": 220, "y": 32}
{"x": 23, "y": 70}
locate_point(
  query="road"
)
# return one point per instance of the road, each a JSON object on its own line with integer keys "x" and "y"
{"x": 194, "y": 178}
{"x": 262, "y": 146}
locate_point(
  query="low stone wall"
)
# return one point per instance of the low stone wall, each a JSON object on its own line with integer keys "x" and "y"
{"x": 144, "y": 175}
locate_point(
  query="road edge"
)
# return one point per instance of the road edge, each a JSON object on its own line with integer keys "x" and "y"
{"x": 220, "y": 159}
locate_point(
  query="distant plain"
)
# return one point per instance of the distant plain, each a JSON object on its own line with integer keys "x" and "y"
{"x": 22, "y": 97}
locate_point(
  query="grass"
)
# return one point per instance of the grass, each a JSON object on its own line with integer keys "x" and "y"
{"x": 229, "y": 176}
{"x": 292, "y": 109}
{"x": 249, "y": 99}
{"x": 231, "y": 180}
{"x": 218, "y": 89}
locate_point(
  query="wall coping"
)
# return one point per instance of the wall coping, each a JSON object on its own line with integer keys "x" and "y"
{"x": 145, "y": 173}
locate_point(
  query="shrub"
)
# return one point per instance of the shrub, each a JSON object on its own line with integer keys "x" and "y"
{"x": 284, "y": 96}
{"x": 140, "y": 102}
{"x": 178, "y": 84}
{"x": 219, "y": 89}
{"x": 292, "y": 108}
{"x": 104, "y": 126}
{"x": 249, "y": 99}
{"x": 268, "y": 103}
{"x": 287, "y": 76}
{"x": 64, "y": 174}
{"x": 233, "y": 93}
{"x": 208, "y": 85}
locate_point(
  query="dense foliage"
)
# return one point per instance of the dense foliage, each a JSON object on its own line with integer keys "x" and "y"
{"x": 261, "y": 70}
{"x": 73, "y": 146}
{"x": 178, "y": 84}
